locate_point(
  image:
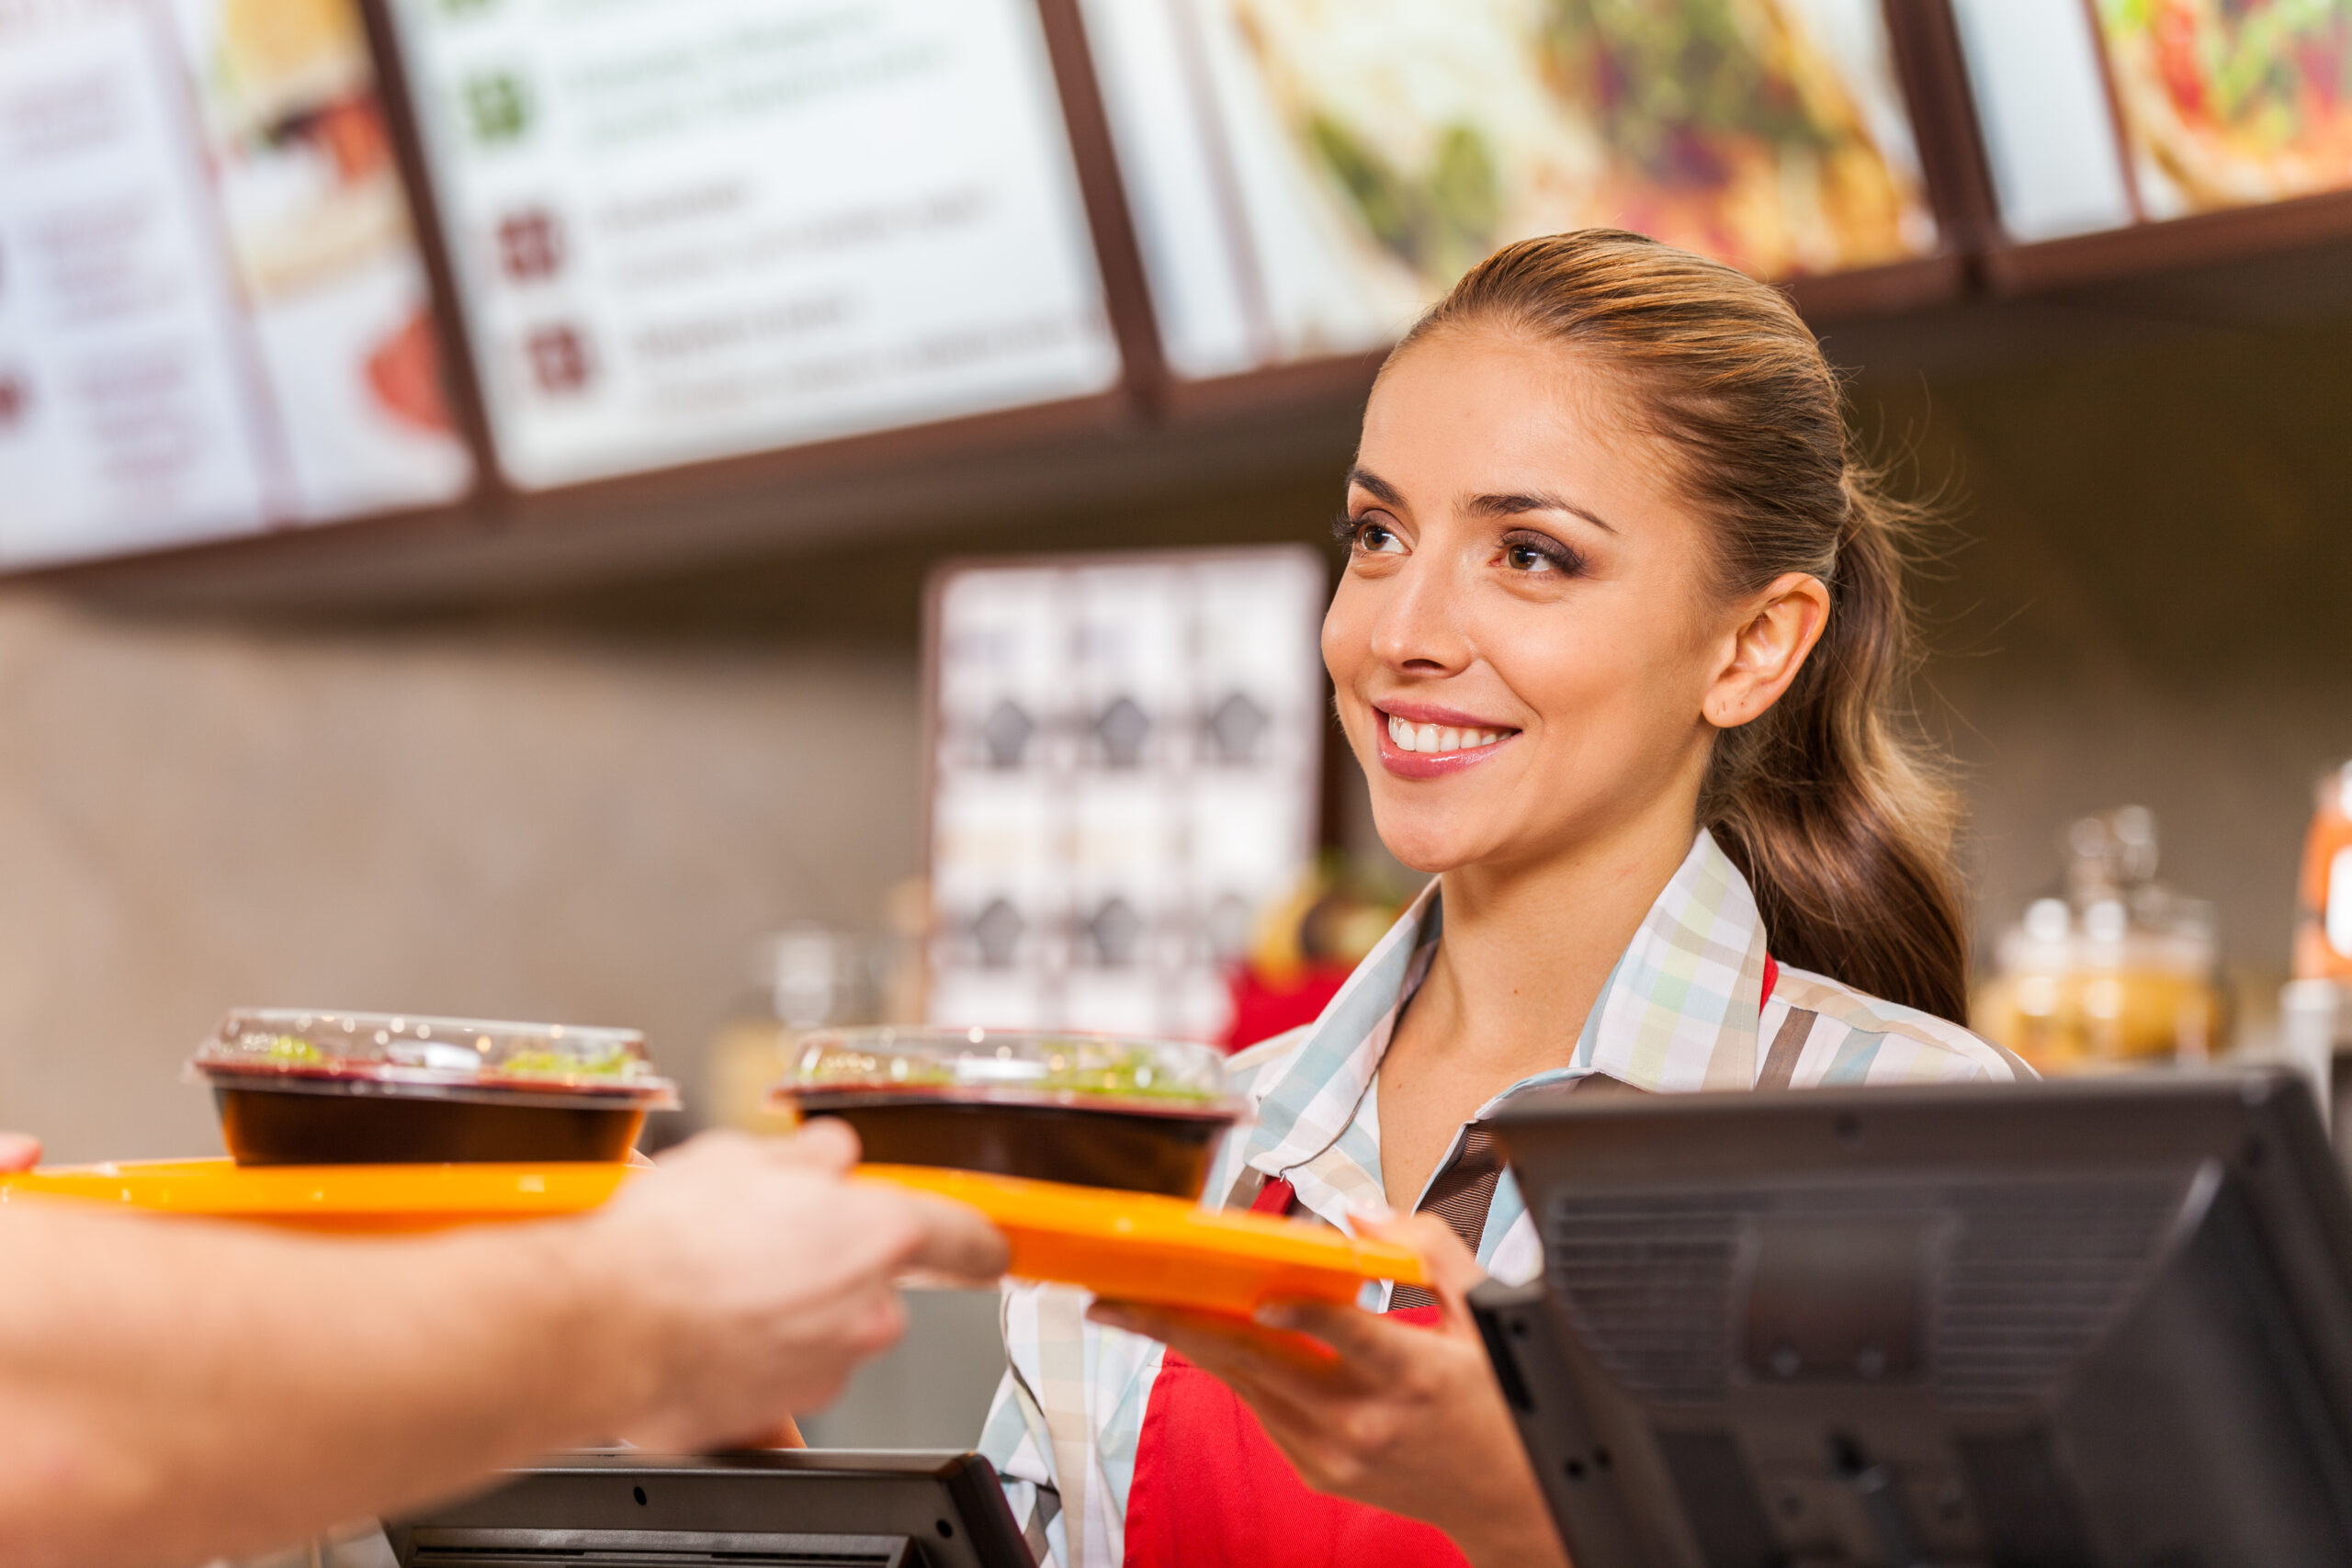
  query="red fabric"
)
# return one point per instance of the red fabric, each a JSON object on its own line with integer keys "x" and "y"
{"x": 1212, "y": 1490}
{"x": 1274, "y": 1198}
{"x": 1772, "y": 978}
{"x": 1260, "y": 1011}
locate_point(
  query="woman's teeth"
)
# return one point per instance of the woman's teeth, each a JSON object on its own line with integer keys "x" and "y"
{"x": 1437, "y": 738}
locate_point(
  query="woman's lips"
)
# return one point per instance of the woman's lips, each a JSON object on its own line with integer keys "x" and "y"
{"x": 1431, "y": 750}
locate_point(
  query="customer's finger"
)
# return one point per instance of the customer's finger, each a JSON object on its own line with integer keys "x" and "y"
{"x": 956, "y": 1239}
{"x": 19, "y": 1151}
{"x": 826, "y": 1143}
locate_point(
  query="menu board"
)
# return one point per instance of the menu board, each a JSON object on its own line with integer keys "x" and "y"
{"x": 212, "y": 316}
{"x": 692, "y": 229}
{"x": 2113, "y": 112}
{"x": 1307, "y": 175}
{"x": 1126, "y": 757}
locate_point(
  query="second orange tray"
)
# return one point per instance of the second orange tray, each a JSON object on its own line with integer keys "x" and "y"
{"x": 1142, "y": 1247}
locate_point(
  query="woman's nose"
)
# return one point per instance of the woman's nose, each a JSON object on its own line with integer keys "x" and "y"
{"x": 1420, "y": 627}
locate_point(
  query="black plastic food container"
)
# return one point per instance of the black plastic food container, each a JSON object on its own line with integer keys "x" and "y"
{"x": 1138, "y": 1115}
{"x": 308, "y": 1087}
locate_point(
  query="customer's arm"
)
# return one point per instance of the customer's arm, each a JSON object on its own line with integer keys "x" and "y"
{"x": 174, "y": 1389}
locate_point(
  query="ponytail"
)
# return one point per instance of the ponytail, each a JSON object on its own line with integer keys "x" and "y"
{"x": 1836, "y": 814}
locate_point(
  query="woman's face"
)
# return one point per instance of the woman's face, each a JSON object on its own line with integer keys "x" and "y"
{"x": 1525, "y": 643}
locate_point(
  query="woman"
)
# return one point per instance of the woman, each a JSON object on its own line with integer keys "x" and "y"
{"x": 1617, "y": 644}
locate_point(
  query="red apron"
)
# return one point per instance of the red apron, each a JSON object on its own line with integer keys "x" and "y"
{"x": 1212, "y": 1490}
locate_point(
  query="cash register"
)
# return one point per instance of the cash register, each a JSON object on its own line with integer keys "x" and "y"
{"x": 800, "y": 1508}
{"x": 2072, "y": 1324}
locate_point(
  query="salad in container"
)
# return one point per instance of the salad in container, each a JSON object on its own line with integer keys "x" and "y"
{"x": 1094, "y": 1111}
{"x": 312, "y": 1088}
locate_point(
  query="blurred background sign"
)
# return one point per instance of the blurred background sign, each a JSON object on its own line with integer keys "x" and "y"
{"x": 1126, "y": 770}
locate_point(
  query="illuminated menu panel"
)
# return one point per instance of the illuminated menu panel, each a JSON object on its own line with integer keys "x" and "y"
{"x": 692, "y": 229}
{"x": 1126, "y": 765}
{"x": 1308, "y": 176}
{"x": 212, "y": 318}
{"x": 2123, "y": 111}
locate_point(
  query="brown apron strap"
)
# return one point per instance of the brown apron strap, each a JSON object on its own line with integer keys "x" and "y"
{"x": 1460, "y": 1196}
{"x": 1787, "y": 1044}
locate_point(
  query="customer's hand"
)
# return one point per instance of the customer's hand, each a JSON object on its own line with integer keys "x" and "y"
{"x": 1405, "y": 1418}
{"x": 753, "y": 1278}
{"x": 19, "y": 1151}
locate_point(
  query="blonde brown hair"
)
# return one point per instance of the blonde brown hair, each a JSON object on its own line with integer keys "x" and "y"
{"x": 1839, "y": 817}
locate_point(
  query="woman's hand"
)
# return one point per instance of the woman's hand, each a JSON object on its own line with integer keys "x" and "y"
{"x": 753, "y": 1278}
{"x": 1402, "y": 1417}
{"x": 19, "y": 1151}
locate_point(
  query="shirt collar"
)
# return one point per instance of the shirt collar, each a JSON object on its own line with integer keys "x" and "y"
{"x": 1679, "y": 1011}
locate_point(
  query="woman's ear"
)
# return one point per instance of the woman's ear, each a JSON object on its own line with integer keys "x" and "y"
{"x": 1767, "y": 648}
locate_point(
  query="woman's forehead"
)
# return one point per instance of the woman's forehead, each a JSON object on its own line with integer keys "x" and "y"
{"x": 1467, "y": 419}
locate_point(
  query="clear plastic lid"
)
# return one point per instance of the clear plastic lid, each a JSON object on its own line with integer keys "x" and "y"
{"x": 1006, "y": 1066}
{"x": 449, "y": 1058}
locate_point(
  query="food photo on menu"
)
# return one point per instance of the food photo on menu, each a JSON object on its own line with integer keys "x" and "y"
{"x": 321, "y": 228}
{"x": 2227, "y": 104}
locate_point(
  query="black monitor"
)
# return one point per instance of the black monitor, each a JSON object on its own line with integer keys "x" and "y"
{"x": 802, "y": 1508}
{"x": 2035, "y": 1326}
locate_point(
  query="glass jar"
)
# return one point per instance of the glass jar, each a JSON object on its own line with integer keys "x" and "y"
{"x": 2117, "y": 971}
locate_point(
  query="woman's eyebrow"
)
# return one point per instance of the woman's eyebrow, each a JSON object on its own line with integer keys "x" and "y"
{"x": 1382, "y": 491}
{"x": 1513, "y": 505}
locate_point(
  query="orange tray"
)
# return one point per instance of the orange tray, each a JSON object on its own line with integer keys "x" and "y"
{"x": 1131, "y": 1246}
{"x": 365, "y": 1198}
{"x": 1143, "y": 1248}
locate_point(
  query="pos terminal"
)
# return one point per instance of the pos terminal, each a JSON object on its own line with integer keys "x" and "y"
{"x": 2071, "y": 1324}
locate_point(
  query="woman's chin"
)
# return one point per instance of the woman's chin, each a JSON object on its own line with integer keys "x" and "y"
{"x": 1431, "y": 849}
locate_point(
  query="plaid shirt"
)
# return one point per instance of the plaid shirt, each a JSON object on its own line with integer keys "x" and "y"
{"x": 1683, "y": 1010}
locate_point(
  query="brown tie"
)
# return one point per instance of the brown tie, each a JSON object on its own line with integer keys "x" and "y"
{"x": 1460, "y": 1196}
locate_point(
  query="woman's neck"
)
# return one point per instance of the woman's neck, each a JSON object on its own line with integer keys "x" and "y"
{"x": 1526, "y": 951}
{"x": 1524, "y": 956}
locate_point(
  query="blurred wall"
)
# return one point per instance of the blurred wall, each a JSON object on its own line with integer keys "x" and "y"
{"x": 489, "y": 820}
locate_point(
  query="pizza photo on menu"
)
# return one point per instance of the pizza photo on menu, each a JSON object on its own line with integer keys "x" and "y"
{"x": 2230, "y": 102}
{"x": 1768, "y": 132}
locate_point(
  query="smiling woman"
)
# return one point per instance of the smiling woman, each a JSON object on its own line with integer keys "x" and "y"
{"x": 1618, "y": 645}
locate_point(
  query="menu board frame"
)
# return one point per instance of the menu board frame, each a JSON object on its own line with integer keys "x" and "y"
{"x": 1108, "y": 234}
{"x": 1931, "y": 74}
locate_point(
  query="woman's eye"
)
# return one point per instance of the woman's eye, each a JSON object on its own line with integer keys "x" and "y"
{"x": 1537, "y": 558}
{"x": 1378, "y": 539}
